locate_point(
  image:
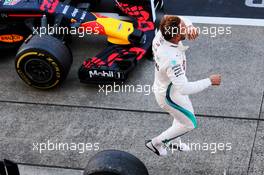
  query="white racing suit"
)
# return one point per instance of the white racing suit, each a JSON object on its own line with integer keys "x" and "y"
{"x": 171, "y": 87}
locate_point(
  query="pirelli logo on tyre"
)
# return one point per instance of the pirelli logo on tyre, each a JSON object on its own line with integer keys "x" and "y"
{"x": 55, "y": 66}
{"x": 20, "y": 72}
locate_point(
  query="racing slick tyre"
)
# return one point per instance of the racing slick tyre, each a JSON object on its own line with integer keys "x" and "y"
{"x": 114, "y": 162}
{"x": 43, "y": 62}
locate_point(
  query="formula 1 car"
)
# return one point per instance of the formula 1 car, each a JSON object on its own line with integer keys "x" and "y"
{"x": 42, "y": 29}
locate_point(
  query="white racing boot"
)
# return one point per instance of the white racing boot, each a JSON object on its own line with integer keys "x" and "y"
{"x": 159, "y": 150}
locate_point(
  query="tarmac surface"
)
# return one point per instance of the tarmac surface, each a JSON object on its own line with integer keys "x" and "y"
{"x": 232, "y": 114}
{"x": 220, "y": 8}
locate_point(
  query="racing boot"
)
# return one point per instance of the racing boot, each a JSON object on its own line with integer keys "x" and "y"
{"x": 158, "y": 150}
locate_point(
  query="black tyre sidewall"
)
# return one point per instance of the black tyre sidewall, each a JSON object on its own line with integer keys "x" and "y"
{"x": 56, "y": 68}
{"x": 115, "y": 162}
{"x": 52, "y": 51}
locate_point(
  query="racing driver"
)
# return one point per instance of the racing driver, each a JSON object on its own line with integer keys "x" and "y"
{"x": 171, "y": 87}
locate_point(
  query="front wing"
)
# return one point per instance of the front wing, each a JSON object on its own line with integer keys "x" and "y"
{"x": 115, "y": 62}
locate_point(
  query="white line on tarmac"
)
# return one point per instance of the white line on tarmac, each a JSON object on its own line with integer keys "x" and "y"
{"x": 226, "y": 21}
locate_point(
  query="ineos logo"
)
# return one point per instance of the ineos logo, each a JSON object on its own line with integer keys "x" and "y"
{"x": 252, "y": 3}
